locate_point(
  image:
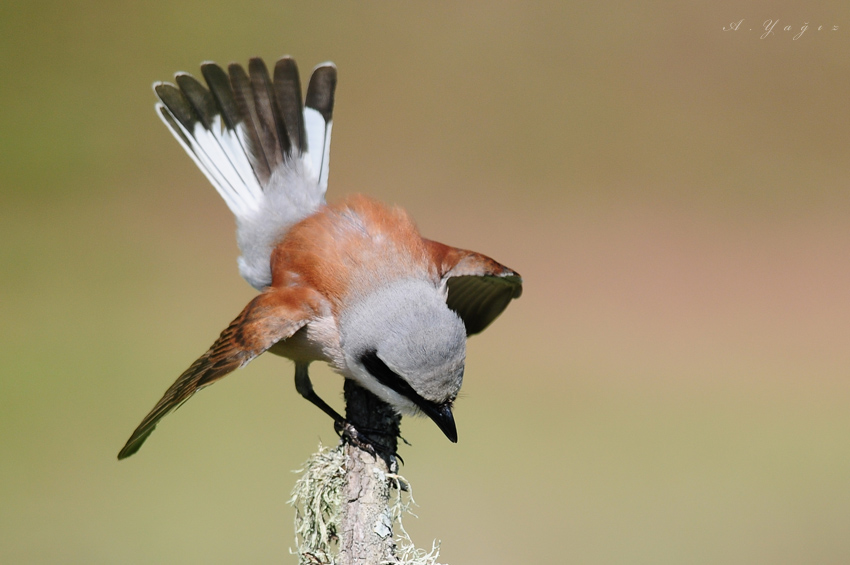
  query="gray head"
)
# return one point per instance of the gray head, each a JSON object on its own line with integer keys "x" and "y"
{"x": 403, "y": 344}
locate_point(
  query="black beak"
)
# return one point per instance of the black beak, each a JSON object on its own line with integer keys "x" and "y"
{"x": 440, "y": 413}
{"x": 442, "y": 416}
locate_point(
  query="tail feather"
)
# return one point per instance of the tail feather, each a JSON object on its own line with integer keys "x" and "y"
{"x": 199, "y": 98}
{"x": 287, "y": 87}
{"x": 272, "y": 133}
{"x": 320, "y": 92}
{"x": 318, "y": 117}
{"x": 220, "y": 88}
{"x": 217, "y": 151}
{"x": 249, "y": 120}
{"x": 264, "y": 150}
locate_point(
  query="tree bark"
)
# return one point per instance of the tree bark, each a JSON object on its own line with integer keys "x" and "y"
{"x": 365, "y": 527}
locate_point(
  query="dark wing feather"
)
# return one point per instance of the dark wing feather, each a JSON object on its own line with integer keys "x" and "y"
{"x": 479, "y": 300}
{"x": 479, "y": 288}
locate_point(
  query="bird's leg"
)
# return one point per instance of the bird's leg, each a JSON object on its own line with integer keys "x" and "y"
{"x": 305, "y": 389}
{"x": 342, "y": 426}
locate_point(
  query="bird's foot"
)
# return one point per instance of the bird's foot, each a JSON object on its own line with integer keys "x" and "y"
{"x": 366, "y": 441}
{"x": 355, "y": 437}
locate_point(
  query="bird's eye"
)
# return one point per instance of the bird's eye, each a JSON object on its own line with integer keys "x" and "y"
{"x": 440, "y": 413}
{"x": 390, "y": 379}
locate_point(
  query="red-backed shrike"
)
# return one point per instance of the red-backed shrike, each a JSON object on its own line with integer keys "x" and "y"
{"x": 351, "y": 283}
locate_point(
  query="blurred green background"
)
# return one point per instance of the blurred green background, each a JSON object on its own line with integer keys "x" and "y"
{"x": 671, "y": 388}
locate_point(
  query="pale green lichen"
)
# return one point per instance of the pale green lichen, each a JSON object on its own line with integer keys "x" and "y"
{"x": 317, "y": 498}
{"x": 400, "y": 503}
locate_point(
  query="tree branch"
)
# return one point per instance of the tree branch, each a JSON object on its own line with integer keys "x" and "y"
{"x": 365, "y": 526}
{"x": 349, "y": 498}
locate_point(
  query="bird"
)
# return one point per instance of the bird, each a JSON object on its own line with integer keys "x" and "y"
{"x": 351, "y": 283}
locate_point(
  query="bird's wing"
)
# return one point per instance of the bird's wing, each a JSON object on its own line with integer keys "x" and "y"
{"x": 268, "y": 319}
{"x": 479, "y": 288}
{"x": 264, "y": 151}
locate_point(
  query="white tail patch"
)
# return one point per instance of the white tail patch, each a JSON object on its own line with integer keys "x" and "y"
{"x": 318, "y": 145}
{"x": 221, "y": 156}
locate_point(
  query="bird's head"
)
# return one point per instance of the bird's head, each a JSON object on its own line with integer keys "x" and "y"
{"x": 402, "y": 343}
